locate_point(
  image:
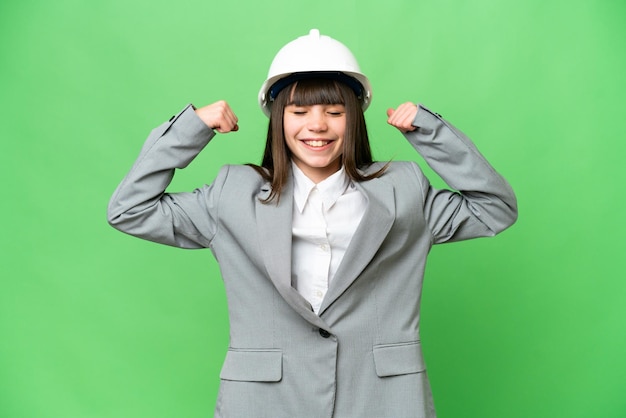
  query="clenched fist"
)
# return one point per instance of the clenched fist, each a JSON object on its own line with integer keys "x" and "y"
{"x": 219, "y": 116}
{"x": 402, "y": 117}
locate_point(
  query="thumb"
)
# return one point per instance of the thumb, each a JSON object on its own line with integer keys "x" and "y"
{"x": 390, "y": 112}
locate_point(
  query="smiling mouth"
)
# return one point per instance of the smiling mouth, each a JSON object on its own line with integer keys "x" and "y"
{"x": 317, "y": 143}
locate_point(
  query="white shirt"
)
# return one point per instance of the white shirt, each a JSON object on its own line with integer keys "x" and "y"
{"x": 325, "y": 216}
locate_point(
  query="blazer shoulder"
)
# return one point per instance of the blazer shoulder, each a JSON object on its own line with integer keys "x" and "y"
{"x": 407, "y": 178}
{"x": 241, "y": 176}
{"x": 399, "y": 170}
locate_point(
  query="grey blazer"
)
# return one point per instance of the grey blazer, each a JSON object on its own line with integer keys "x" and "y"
{"x": 361, "y": 356}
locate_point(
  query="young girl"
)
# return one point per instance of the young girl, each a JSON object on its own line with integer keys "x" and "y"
{"x": 321, "y": 249}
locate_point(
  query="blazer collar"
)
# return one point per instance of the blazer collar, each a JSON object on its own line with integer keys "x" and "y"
{"x": 274, "y": 227}
{"x": 370, "y": 234}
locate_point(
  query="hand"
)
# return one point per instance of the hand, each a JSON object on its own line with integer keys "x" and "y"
{"x": 403, "y": 117}
{"x": 218, "y": 116}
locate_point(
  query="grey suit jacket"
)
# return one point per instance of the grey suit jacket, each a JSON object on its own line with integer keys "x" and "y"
{"x": 361, "y": 356}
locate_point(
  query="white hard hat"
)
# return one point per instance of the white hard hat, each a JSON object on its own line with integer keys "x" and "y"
{"x": 314, "y": 55}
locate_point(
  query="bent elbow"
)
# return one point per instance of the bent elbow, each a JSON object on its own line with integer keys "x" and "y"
{"x": 508, "y": 216}
{"x": 115, "y": 216}
{"x": 113, "y": 220}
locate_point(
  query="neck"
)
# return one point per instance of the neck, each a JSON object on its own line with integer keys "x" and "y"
{"x": 317, "y": 175}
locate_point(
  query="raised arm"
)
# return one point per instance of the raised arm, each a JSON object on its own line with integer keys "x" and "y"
{"x": 140, "y": 206}
{"x": 481, "y": 202}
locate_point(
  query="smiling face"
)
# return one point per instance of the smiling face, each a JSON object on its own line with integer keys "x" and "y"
{"x": 315, "y": 134}
{"x": 318, "y": 124}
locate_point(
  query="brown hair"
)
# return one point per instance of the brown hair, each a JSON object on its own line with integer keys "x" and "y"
{"x": 276, "y": 163}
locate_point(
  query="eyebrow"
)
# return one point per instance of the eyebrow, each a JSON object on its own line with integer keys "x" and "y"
{"x": 293, "y": 103}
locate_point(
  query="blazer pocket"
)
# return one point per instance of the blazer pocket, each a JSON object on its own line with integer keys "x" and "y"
{"x": 398, "y": 359}
{"x": 264, "y": 365}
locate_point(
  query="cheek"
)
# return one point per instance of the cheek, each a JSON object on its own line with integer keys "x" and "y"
{"x": 340, "y": 128}
{"x": 290, "y": 145}
{"x": 289, "y": 134}
{"x": 290, "y": 129}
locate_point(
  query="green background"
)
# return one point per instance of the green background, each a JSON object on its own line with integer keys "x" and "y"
{"x": 94, "y": 323}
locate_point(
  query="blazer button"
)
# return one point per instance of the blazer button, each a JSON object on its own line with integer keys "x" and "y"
{"x": 324, "y": 333}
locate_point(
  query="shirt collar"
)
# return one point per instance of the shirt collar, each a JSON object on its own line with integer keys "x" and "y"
{"x": 330, "y": 189}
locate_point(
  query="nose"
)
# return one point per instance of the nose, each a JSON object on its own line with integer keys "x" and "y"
{"x": 317, "y": 121}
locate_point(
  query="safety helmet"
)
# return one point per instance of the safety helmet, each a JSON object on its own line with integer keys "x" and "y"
{"x": 314, "y": 55}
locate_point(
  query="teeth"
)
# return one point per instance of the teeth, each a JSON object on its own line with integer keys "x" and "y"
{"x": 316, "y": 143}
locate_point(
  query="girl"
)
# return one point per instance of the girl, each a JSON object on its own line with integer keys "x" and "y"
{"x": 321, "y": 249}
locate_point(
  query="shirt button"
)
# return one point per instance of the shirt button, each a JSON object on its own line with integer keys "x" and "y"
{"x": 319, "y": 294}
{"x": 324, "y": 333}
{"x": 323, "y": 247}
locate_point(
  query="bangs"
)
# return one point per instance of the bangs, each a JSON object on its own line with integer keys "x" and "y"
{"x": 315, "y": 91}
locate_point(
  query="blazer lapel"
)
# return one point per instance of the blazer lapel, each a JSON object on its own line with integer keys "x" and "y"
{"x": 371, "y": 232}
{"x": 274, "y": 229}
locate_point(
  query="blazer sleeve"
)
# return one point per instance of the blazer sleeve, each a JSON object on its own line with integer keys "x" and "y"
{"x": 140, "y": 207}
{"x": 482, "y": 203}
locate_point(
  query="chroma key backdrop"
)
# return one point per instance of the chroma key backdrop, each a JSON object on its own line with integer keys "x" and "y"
{"x": 97, "y": 324}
